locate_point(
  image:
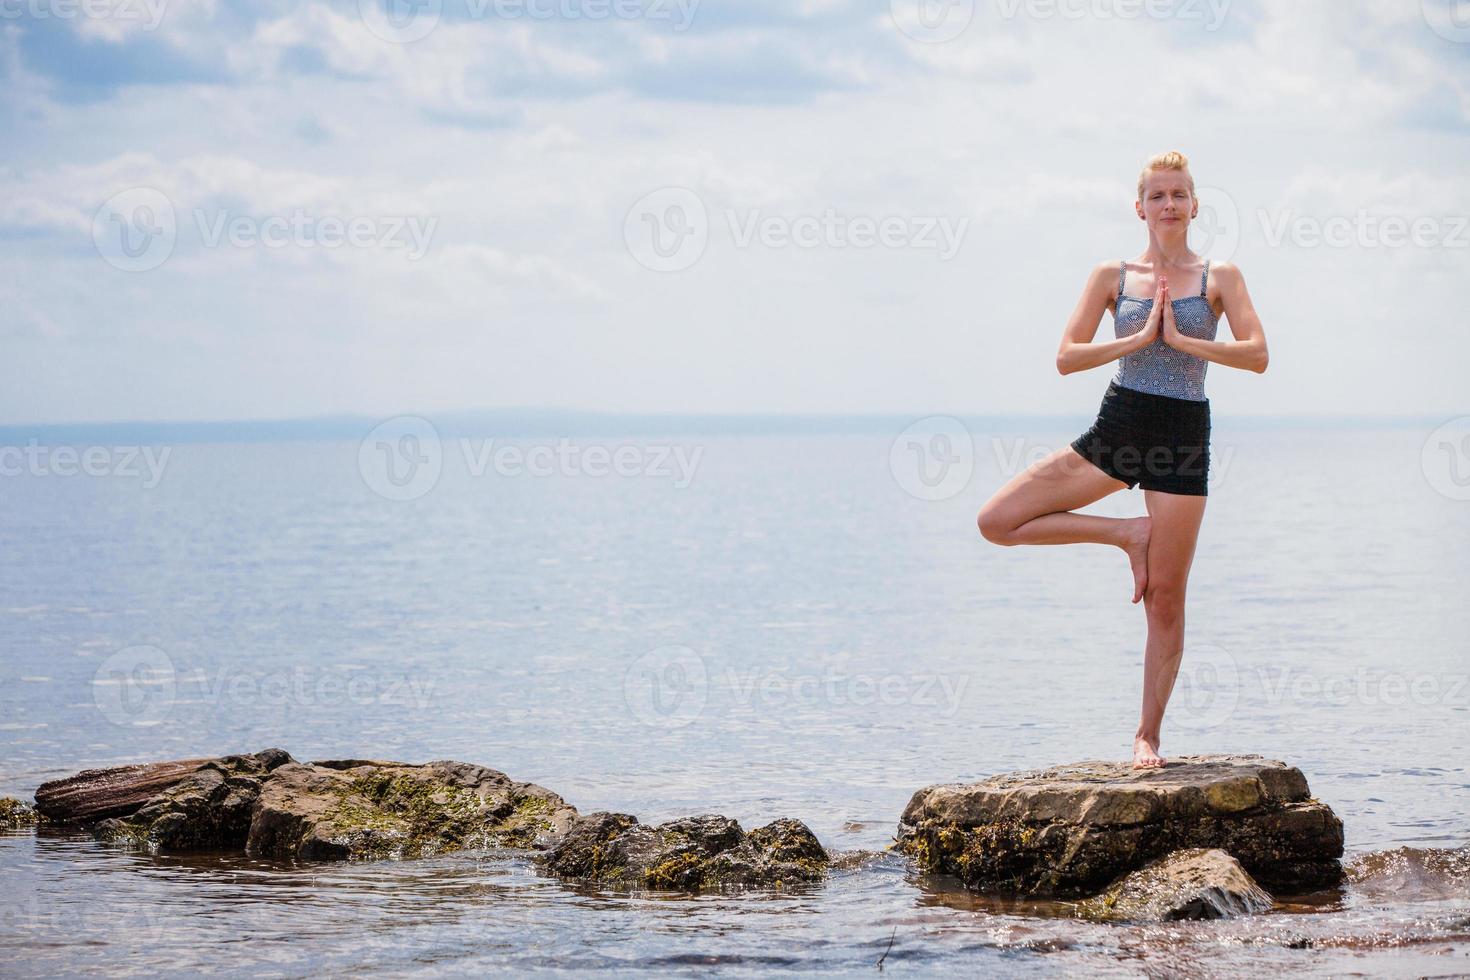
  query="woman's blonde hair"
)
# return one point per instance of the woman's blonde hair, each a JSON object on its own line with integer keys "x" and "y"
{"x": 1173, "y": 160}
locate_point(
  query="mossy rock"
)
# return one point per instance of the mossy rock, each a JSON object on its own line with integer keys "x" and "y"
{"x": 14, "y": 813}
{"x": 1068, "y": 831}
{"x": 367, "y": 810}
{"x": 704, "y": 852}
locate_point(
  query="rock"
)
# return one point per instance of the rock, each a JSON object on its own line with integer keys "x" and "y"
{"x": 14, "y": 813}
{"x": 271, "y": 806}
{"x": 97, "y": 794}
{"x": 359, "y": 809}
{"x": 1070, "y": 830}
{"x": 690, "y": 854}
{"x": 1194, "y": 883}
{"x": 208, "y": 809}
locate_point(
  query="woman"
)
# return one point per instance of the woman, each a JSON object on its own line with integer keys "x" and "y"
{"x": 1153, "y": 428}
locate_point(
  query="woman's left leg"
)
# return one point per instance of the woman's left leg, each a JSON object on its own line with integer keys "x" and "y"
{"x": 1176, "y": 523}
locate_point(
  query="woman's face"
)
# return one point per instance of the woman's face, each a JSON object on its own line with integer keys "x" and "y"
{"x": 1168, "y": 205}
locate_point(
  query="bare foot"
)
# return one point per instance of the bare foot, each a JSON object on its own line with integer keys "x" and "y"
{"x": 1145, "y": 753}
{"x": 1135, "y": 538}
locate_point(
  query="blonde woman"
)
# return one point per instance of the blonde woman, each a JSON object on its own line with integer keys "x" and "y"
{"x": 1153, "y": 428}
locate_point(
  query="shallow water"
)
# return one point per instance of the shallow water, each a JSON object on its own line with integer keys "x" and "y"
{"x": 796, "y": 632}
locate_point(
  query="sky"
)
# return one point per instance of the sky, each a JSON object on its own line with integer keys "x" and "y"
{"x": 283, "y": 208}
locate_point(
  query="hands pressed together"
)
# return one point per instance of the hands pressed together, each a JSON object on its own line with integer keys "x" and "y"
{"x": 1161, "y": 321}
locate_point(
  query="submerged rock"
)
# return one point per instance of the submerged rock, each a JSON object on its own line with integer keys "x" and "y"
{"x": 271, "y": 806}
{"x": 1070, "y": 830}
{"x": 14, "y": 813}
{"x": 357, "y": 809}
{"x": 1194, "y": 883}
{"x": 692, "y": 853}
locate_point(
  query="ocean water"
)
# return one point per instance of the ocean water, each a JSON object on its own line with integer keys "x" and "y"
{"x": 759, "y": 625}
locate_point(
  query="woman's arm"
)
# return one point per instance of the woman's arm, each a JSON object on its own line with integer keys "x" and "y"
{"x": 1249, "y": 349}
{"x": 1077, "y": 351}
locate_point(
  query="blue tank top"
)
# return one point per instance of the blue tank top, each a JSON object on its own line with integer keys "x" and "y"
{"x": 1158, "y": 368}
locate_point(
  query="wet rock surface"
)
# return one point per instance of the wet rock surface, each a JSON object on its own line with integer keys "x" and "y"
{"x": 1069, "y": 831}
{"x": 1195, "y": 883}
{"x": 357, "y": 809}
{"x": 271, "y": 806}
{"x": 14, "y": 813}
{"x": 708, "y": 851}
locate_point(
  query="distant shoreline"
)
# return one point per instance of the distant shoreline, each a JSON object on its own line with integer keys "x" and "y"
{"x": 555, "y": 422}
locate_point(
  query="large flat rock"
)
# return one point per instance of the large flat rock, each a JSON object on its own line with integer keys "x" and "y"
{"x": 1070, "y": 830}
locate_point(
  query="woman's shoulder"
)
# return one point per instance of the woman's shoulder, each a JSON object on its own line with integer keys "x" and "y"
{"x": 1225, "y": 273}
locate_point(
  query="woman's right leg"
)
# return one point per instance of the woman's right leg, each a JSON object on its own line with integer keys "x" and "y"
{"x": 1034, "y": 508}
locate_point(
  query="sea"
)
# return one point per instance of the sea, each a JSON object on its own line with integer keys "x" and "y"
{"x": 759, "y": 621}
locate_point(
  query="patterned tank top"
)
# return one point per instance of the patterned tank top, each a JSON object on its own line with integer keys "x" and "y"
{"x": 1158, "y": 368}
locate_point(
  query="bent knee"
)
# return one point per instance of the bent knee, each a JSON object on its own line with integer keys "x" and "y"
{"x": 995, "y": 526}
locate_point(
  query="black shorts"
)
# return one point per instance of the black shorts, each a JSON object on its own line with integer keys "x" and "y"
{"x": 1154, "y": 442}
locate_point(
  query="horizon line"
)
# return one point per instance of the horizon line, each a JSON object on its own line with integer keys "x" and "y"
{"x": 523, "y": 420}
